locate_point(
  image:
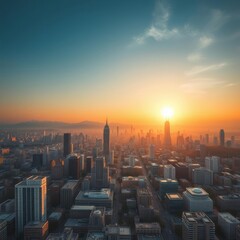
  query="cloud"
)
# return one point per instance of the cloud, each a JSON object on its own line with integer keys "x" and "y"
{"x": 205, "y": 41}
{"x": 217, "y": 19}
{"x": 201, "y": 85}
{"x": 194, "y": 57}
{"x": 159, "y": 29}
{"x": 199, "y": 69}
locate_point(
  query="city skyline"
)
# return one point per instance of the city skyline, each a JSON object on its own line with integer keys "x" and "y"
{"x": 75, "y": 61}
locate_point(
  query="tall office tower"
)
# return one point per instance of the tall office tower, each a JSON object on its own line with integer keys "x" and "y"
{"x": 111, "y": 158}
{"x": 228, "y": 224}
{"x": 169, "y": 172}
{"x": 37, "y": 160}
{"x": 197, "y": 199}
{"x": 57, "y": 169}
{"x": 197, "y": 226}
{"x": 3, "y": 230}
{"x": 88, "y": 164}
{"x": 212, "y": 163}
{"x": 82, "y": 162}
{"x": 74, "y": 166}
{"x": 167, "y": 135}
{"x": 207, "y": 138}
{"x": 99, "y": 174}
{"x": 106, "y": 139}
{"x": 222, "y": 137}
{"x": 151, "y": 152}
{"x": 202, "y": 176}
{"x": 30, "y": 202}
{"x": 117, "y": 131}
{"x": 67, "y": 146}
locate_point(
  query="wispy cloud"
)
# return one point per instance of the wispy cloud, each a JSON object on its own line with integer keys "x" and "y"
{"x": 201, "y": 85}
{"x": 159, "y": 29}
{"x": 217, "y": 20}
{"x": 199, "y": 69}
{"x": 194, "y": 57}
{"x": 205, "y": 41}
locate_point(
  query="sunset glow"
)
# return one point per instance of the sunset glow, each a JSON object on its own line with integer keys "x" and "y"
{"x": 167, "y": 113}
{"x": 93, "y": 63}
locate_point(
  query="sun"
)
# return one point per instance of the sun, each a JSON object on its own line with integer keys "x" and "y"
{"x": 167, "y": 112}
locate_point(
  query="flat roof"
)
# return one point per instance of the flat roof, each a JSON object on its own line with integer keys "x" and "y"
{"x": 55, "y": 216}
{"x": 104, "y": 194}
{"x": 149, "y": 237}
{"x": 197, "y": 191}
{"x": 95, "y": 236}
{"x": 70, "y": 185}
{"x": 35, "y": 224}
{"x": 73, "y": 222}
{"x": 81, "y": 207}
{"x": 124, "y": 231}
{"x": 147, "y": 225}
{"x": 174, "y": 196}
{"x": 197, "y": 217}
{"x": 229, "y": 217}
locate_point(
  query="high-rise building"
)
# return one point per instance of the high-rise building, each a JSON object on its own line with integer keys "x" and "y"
{"x": 197, "y": 199}
{"x": 151, "y": 152}
{"x": 88, "y": 164}
{"x": 202, "y": 176}
{"x": 3, "y": 230}
{"x": 212, "y": 163}
{"x": 167, "y": 135}
{"x": 99, "y": 174}
{"x": 222, "y": 137}
{"x": 228, "y": 225}
{"x": 67, "y": 146}
{"x": 197, "y": 226}
{"x": 36, "y": 230}
{"x": 37, "y": 160}
{"x": 30, "y": 202}
{"x": 169, "y": 172}
{"x": 106, "y": 140}
{"x": 67, "y": 194}
{"x": 74, "y": 166}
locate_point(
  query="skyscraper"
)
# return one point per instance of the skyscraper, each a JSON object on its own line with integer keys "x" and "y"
{"x": 198, "y": 226}
{"x": 99, "y": 174}
{"x": 67, "y": 144}
{"x": 167, "y": 136}
{"x": 30, "y": 202}
{"x": 222, "y": 137}
{"x": 74, "y": 167}
{"x": 212, "y": 163}
{"x": 106, "y": 139}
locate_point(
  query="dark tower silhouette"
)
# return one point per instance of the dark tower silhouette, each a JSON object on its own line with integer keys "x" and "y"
{"x": 74, "y": 167}
{"x": 106, "y": 138}
{"x": 222, "y": 137}
{"x": 66, "y": 144}
{"x": 167, "y": 136}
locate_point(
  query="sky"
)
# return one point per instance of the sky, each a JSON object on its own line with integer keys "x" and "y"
{"x": 122, "y": 59}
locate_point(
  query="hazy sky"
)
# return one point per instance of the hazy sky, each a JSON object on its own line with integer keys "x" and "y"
{"x": 127, "y": 59}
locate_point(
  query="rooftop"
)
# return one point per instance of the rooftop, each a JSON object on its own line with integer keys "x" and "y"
{"x": 197, "y": 217}
{"x": 229, "y": 217}
{"x": 35, "y": 224}
{"x": 80, "y": 207}
{"x": 103, "y": 194}
{"x": 149, "y": 237}
{"x": 147, "y": 225}
{"x": 55, "y": 216}
{"x": 95, "y": 236}
{"x": 73, "y": 222}
{"x": 174, "y": 196}
{"x": 197, "y": 191}
{"x": 70, "y": 185}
